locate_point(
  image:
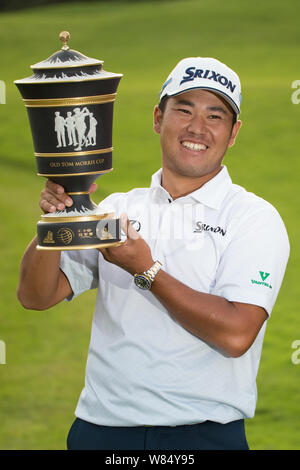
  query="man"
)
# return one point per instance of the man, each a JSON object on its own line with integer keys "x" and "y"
{"x": 70, "y": 124}
{"x": 182, "y": 305}
{"x": 80, "y": 125}
{"x": 59, "y": 126}
{"x": 92, "y": 131}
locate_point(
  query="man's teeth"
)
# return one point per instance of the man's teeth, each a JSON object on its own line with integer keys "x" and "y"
{"x": 193, "y": 146}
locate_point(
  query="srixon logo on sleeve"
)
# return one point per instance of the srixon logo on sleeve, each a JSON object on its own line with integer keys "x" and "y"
{"x": 193, "y": 72}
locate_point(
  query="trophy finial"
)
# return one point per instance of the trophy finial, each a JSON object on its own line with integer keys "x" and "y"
{"x": 64, "y": 36}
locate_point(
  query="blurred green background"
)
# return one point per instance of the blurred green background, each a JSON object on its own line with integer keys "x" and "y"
{"x": 46, "y": 351}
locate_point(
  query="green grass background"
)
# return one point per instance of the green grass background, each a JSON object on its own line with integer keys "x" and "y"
{"x": 46, "y": 351}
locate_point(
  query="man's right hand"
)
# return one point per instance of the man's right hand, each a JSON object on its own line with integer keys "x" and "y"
{"x": 53, "y": 197}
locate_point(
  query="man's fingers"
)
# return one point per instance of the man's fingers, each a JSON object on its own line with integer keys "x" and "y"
{"x": 54, "y": 187}
{"x": 53, "y": 197}
{"x": 47, "y": 206}
{"x": 132, "y": 233}
{"x": 58, "y": 192}
{"x": 93, "y": 188}
{"x": 50, "y": 204}
{"x": 128, "y": 228}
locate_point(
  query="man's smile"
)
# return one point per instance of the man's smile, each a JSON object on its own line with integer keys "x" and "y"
{"x": 193, "y": 145}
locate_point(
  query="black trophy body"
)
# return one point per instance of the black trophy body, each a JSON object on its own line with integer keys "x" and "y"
{"x": 69, "y": 101}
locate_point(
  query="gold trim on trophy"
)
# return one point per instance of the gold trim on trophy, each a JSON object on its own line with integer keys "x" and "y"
{"x": 74, "y": 154}
{"x": 78, "y": 193}
{"x": 75, "y": 174}
{"x": 76, "y": 218}
{"x": 77, "y": 101}
{"x": 78, "y": 247}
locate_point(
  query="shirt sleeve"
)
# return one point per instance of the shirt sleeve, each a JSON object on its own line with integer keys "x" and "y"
{"x": 81, "y": 269}
{"x": 252, "y": 267}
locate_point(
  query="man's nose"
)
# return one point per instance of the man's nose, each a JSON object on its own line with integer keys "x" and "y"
{"x": 197, "y": 124}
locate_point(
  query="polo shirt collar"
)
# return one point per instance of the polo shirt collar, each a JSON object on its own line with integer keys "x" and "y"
{"x": 211, "y": 194}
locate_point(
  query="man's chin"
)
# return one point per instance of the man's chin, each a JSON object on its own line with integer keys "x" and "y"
{"x": 197, "y": 173}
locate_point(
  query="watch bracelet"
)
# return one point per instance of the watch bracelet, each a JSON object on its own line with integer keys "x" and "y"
{"x": 151, "y": 272}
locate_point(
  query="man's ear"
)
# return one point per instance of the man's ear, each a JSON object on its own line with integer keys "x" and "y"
{"x": 157, "y": 117}
{"x": 234, "y": 133}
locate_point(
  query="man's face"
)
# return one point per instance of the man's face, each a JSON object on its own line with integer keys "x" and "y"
{"x": 195, "y": 132}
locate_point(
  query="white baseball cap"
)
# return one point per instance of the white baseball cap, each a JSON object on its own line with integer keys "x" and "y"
{"x": 206, "y": 73}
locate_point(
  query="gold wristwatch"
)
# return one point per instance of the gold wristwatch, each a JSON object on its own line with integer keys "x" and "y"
{"x": 144, "y": 280}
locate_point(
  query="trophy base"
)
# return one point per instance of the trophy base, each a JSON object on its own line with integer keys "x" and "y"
{"x": 63, "y": 231}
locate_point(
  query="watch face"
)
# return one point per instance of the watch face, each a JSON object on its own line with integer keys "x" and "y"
{"x": 142, "y": 282}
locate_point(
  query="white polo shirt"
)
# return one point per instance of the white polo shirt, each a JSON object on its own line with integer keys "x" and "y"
{"x": 143, "y": 367}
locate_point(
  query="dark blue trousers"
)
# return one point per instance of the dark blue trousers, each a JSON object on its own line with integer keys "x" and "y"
{"x": 204, "y": 436}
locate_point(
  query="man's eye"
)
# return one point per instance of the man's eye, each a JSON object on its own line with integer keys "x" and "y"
{"x": 214, "y": 116}
{"x": 185, "y": 111}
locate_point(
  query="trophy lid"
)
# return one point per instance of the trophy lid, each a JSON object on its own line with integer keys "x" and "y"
{"x": 67, "y": 65}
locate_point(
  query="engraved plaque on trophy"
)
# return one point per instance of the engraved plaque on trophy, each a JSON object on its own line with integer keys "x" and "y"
{"x": 69, "y": 100}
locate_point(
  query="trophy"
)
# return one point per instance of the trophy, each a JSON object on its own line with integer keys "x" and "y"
{"x": 69, "y": 100}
